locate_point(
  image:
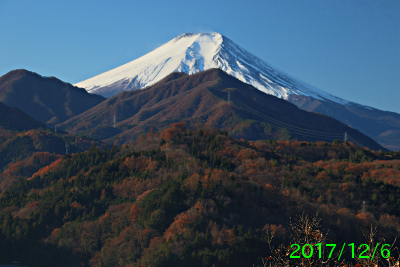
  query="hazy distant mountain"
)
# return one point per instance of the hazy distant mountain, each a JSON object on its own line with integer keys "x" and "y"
{"x": 46, "y": 99}
{"x": 202, "y": 98}
{"x": 383, "y": 126}
{"x": 194, "y": 52}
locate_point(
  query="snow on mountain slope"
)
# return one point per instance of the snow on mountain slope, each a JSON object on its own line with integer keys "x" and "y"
{"x": 195, "y": 52}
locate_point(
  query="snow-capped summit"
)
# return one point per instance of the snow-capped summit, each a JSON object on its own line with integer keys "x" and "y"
{"x": 195, "y": 52}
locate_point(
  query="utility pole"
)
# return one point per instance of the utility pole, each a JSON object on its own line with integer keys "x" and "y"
{"x": 66, "y": 148}
{"x": 345, "y": 136}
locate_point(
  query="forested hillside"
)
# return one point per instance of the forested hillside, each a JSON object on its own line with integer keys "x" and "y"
{"x": 193, "y": 197}
{"x": 22, "y": 153}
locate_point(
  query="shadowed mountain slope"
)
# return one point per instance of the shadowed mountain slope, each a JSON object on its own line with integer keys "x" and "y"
{"x": 15, "y": 119}
{"x": 202, "y": 98}
{"x": 46, "y": 99}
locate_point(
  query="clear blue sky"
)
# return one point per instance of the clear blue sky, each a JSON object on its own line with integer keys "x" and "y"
{"x": 349, "y": 48}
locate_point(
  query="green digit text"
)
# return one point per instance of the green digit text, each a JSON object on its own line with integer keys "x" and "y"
{"x": 319, "y": 249}
{"x": 363, "y": 252}
{"x": 385, "y": 250}
{"x": 293, "y": 256}
{"x": 352, "y": 250}
{"x": 333, "y": 248}
{"x": 303, "y": 252}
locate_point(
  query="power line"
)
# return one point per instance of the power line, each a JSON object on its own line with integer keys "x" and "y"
{"x": 295, "y": 129}
{"x": 357, "y": 143}
{"x": 299, "y": 130}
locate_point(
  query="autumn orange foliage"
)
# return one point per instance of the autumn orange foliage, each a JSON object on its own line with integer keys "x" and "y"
{"x": 52, "y": 167}
{"x": 176, "y": 127}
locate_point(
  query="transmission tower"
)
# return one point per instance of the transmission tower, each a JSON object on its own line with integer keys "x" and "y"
{"x": 364, "y": 206}
{"x": 115, "y": 119}
{"x": 345, "y": 136}
{"x": 229, "y": 98}
{"x": 66, "y": 148}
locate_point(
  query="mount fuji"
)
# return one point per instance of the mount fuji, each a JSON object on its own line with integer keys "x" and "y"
{"x": 195, "y": 52}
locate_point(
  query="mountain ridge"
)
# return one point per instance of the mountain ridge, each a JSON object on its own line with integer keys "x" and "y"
{"x": 47, "y": 99}
{"x": 202, "y": 98}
